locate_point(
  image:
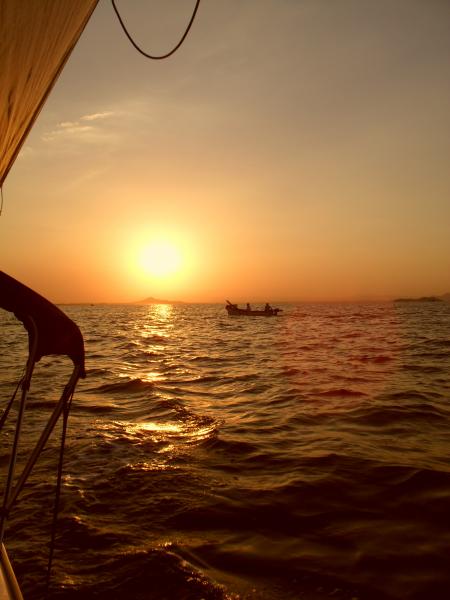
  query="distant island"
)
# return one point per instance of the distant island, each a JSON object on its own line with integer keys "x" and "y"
{"x": 445, "y": 297}
{"x": 151, "y": 300}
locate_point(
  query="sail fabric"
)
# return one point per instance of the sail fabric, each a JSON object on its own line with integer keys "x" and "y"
{"x": 47, "y": 325}
{"x": 36, "y": 39}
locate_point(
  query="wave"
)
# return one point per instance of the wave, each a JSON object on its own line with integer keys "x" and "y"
{"x": 343, "y": 392}
{"x": 136, "y": 573}
{"x": 407, "y": 394}
{"x": 421, "y": 368}
{"x": 392, "y": 416}
{"x": 377, "y": 359}
{"x": 132, "y": 385}
{"x": 96, "y": 409}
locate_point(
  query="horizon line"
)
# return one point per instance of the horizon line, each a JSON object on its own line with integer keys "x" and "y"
{"x": 364, "y": 300}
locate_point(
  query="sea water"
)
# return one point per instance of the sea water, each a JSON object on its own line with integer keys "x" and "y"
{"x": 300, "y": 456}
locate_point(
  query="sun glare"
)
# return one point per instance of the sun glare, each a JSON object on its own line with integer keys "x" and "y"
{"x": 160, "y": 259}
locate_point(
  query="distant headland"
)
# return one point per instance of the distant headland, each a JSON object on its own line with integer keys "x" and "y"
{"x": 443, "y": 298}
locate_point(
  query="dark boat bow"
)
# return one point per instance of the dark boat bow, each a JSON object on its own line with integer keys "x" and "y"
{"x": 50, "y": 332}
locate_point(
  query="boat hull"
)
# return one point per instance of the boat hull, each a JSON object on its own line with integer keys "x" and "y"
{"x": 233, "y": 311}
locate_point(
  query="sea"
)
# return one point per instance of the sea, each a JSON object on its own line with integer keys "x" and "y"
{"x": 214, "y": 457}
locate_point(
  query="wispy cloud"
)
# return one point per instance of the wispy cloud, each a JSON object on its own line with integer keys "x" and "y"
{"x": 96, "y": 116}
{"x": 79, "y": 131}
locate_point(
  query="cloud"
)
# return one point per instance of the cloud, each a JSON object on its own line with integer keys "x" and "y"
{"x": 78, "y": 131}
{"x": 96, "y": 116}
{"x": 67, "y": 130}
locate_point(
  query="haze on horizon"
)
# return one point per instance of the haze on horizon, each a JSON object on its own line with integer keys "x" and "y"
{"x": 290, "y": 150}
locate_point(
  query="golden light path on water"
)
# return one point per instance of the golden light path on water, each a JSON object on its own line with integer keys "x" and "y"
{"x": 153, "y": 333}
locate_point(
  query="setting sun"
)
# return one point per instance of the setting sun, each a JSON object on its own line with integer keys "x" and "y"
{"x": 160, "y": 258}
{"x": 155, "y": 261}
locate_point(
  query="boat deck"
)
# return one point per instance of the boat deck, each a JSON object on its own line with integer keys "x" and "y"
{"x": 9, "y": 588}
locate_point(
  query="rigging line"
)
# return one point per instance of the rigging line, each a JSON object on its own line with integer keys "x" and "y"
{"x": 156, "y": 57}
{"x": 10, "y": 403}
{"x": 1, "y": 200}
{"x": 66, "y": 411}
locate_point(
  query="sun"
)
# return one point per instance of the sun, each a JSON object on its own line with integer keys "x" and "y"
{"x": 157, "y": 261}
{"x": 160, "y": 258}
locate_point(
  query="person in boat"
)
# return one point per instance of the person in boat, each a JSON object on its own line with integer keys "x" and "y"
{"x": 248, "y": 307}
{"x": 267, "y": 307}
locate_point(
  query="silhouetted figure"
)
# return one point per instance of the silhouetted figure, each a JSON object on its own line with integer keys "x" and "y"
{"x": 267, "y": 307}
{"x": 248, "y": 307}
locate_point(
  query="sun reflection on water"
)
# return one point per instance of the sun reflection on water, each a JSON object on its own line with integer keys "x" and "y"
{"x": 167, "y": 436}
{"x": 162, "y": 311}
{"x": 170, "y": 432}
{"x": 159, "y": 427}
{"x": 151, "y": 376}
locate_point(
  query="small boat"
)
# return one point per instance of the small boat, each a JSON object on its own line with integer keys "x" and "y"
{"x": 268, "y": 311}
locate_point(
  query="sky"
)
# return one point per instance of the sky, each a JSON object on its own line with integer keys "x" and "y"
{"x": 292, "y": 150}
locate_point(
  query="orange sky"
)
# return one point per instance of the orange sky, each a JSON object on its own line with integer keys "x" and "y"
{"x": 291, "y": 150}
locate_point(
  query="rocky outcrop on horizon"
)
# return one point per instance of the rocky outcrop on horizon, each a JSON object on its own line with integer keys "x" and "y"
{"x": 443, "y": 298}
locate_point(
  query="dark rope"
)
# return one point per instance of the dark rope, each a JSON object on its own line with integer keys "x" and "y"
{"x": 1, "y": 200}
{"x": 58, "y": 490}
{"x": 153, "y": 57}
{"x": 10, "y": 403}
